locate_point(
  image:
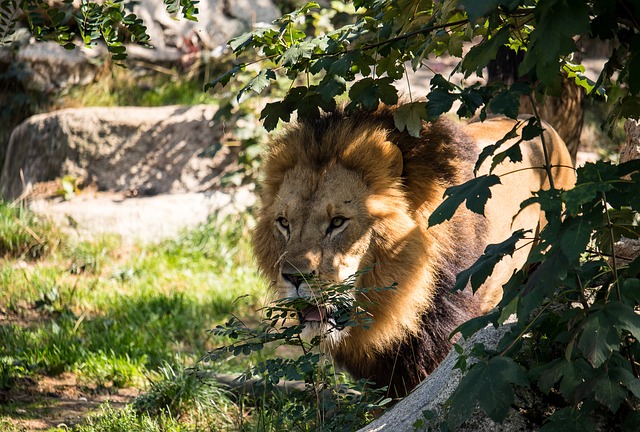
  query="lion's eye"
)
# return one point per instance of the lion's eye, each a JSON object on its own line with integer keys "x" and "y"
{"x": 283, "y": 223}
{"x": 337, "y": 222}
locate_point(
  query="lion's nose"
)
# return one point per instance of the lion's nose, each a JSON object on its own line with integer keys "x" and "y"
{"x": 297, "y": 279}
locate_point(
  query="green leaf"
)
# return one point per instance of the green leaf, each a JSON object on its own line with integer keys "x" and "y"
{"x": 631, "y": 422}
{"x": 480, "y": 55}
{"x": 410, "y": 117}
{"x": 576, "y": 73}
{"x": 624, "y": 376}
{"x": 471, "y": 326}
{"x": 273, "y": 112}
{"x": 543, "y": 282}
{"x": 478, "y": 273}
{"x": 441, "y": 96}
{"x": 476, "y": 9}
{"x": 609, "y": 392}
{"x": 551, "y": 373}
{"x": 506, "y": 102}
{"x": 302, "y": 50}
{"x": 490, "y": 149}
{"x": 440, "y": 102}
{"x": 241, "y": 42}
{"x": 475, "y": 192}
{"x": 487, "y": 385}
{"x": 368, "y": 92}
{"x": 568, "y": 419}
{"x": 331, "y": 86}
{"x": 623, "y": 317}
{"x": 514, "y": 153}
{"x": 258, "y": 83}
{"x": 532, "y": 129}
{"x": 598, "y": 339}
{"x": 557, "y": 23}
{"x": 224, "y": 79}
{"x": 575, "y": 234}
{"x": 630, "y": 290}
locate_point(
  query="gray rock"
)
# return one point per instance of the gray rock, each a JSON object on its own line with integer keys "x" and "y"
{"x": 144, "y": 150}
{"x": 52, "y": 67}
{"x": 218, "y": 21}
{"x": 140, "y": 219}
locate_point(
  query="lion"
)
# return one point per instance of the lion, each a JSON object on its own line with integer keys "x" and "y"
{"x": 349, "y": 194}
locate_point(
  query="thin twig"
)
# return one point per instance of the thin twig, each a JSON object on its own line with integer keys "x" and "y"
{"x": 614, "y": 264}
{"x": 547, "y": 159}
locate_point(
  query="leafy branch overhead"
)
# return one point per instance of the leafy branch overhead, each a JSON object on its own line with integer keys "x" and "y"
{"x": 112, "y": 22}
{"x": 361, "y": 60}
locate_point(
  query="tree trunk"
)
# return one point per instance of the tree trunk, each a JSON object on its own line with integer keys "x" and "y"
{"x": 565, "y": 112}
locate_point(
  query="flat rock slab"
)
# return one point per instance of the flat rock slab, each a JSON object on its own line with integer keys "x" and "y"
{"x": 146, "y": 150}
{"x": 140, "y": 219}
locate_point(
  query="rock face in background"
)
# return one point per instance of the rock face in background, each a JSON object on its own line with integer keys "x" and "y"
{"x": 52, "y": 66}
{"x": 218, "y": 21}
{"x": 143, "y": 150}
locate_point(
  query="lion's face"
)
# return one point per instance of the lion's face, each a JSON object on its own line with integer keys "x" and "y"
{"x": 334, "y": 205}
{"x": 323, "y": 230}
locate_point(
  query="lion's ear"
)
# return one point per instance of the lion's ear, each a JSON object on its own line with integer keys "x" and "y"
{"x": 374, "y": 158}
{"x": 393, "y": 156}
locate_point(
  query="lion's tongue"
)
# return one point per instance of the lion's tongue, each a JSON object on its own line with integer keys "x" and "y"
{"x": 312, "y": 313}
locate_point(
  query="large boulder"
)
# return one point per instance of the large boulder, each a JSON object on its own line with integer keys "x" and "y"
{"x": 143, "y": 150}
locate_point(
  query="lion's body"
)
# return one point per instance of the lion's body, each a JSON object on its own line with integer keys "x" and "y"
{"x": 345, "y": 193}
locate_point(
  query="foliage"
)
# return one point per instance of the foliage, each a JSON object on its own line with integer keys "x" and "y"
{"x": 327, "y": 401}
{"x": 363, "y": 58}
{"x": 111, "y": 21}
{"x": 576, "y": 331}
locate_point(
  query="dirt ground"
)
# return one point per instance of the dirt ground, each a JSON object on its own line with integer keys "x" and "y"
{"x": 58, "y": 401}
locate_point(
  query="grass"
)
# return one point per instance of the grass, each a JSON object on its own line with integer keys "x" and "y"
{"x": 119, "y": 318}
{"x": 117, "y": 86}
{"x": 23, "y": 236}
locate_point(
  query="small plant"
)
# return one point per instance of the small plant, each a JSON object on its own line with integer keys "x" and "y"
{"x": 10, "y": 370}
{"x": 24, "y": 235}
{"x": 177, "y": 391}
{"x": 69, "y": 187}
{"x": 91, "y": 256}
{"x": 121, "y": 420}
{"x": 327, "y": 400}
{"x": 109, "y": 369}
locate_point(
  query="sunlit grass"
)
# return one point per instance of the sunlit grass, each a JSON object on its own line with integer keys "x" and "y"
{"x": 117, "y": 86}
{"x": 24, "y": 236}
{"x": 120, "y": 317}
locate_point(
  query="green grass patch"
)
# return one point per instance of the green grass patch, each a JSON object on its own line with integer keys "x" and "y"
{"x": 116, "y": 86}
{"x": 23, "y": 235}
{"x": 127, "y": 316}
